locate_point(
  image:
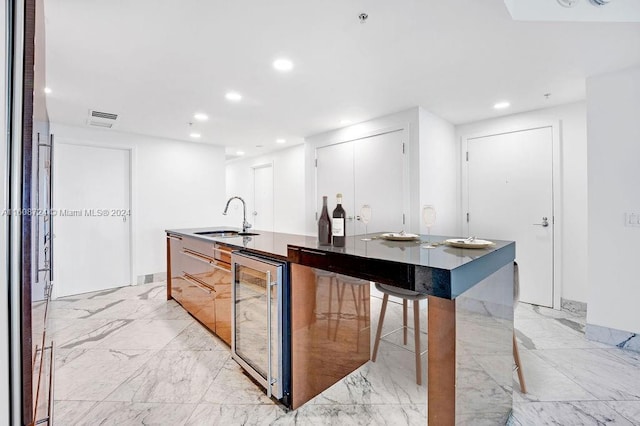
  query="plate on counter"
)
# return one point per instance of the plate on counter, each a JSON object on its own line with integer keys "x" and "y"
{"x": 399, "y": 236}
{"x": 466, "y": 243}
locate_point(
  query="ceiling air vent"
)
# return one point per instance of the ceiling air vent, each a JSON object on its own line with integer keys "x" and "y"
{"x": 101, "y": 119}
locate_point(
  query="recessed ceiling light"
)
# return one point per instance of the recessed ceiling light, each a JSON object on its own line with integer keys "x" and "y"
{"x": 47, "y": 90}
{"x": 502, "y": 105}
{"x": 283, "y": 64}
{"x": 200, "y": 116}
{"x": 345, "y": 122}
{"x": 239, "y": 152}
{"x": 195, "y": 135}
{"x": 233, "y": 96}
{"x": 281, "y": 140}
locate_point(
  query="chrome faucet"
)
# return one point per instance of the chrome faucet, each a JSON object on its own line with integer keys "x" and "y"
{"x": 245, "y": 225}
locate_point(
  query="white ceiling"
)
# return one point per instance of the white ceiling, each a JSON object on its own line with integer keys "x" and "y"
{"x": 157, "y": 62}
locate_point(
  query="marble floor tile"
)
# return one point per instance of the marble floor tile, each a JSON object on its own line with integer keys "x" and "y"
{"x": 71, "y": 412}
{"x": 144, "y": 334}
{"x": 546, "y": 383}
{"x": 95, "y": 373}
{"x": 196, "y": 338}
{"x": 629, "y": 409}
{"x": 170, "y": 310}
{"x": 576, "y": 413}
{"x": 129, "y": 309}
{"x": 81, "y": 309}
{"x": 232, "y": 387}
{"x": 172, "y": 376}
{"x": 90, "y": 336}
{"x": 389, "y": 380}
{"x": 551, "y": 334}
{"x": 108, "y": 413}
{"x": 360, "y": 415}
{"x": 246, "y": 415}
{"x": 603, "y": 373}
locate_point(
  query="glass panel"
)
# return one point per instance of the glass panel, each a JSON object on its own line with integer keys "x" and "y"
{"x": 251, "y": 317}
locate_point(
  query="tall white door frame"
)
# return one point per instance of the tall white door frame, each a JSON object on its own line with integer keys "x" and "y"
{"x": 254, "y": 208}
{"x": 132, "y": 202}
{"x": 557, "y": 193}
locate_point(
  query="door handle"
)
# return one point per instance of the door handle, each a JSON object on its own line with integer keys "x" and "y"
{"x": 544, "y": 224}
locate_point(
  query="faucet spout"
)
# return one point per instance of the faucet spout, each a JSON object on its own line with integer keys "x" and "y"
{"x": 245, "y": 225}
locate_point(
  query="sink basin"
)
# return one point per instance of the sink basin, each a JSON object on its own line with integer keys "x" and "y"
{"x": 226, "y": 233}
{"x": 221, "y": 233}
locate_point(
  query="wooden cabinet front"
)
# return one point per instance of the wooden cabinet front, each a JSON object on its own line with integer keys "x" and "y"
{"x": 200, "y": 281}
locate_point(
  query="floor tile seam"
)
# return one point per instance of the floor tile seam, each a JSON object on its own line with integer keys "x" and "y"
{"x": 84, "y": 412}
{"x": 213, "y": 380}
{"x": 629, "y": 419}
{"x": 558, "y": 371}
{"x": 615, "y": 351}
{"x": 139, "y": 370}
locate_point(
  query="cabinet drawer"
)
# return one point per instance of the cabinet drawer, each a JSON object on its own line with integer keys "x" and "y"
{"x": 196, "y": 298}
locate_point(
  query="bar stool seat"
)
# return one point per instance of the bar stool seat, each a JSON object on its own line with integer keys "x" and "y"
{"x": 405, "y": 295}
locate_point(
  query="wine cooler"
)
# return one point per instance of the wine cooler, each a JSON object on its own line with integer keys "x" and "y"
{"x": 261, "y": 322}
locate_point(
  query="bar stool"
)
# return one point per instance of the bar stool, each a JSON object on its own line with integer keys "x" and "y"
{"x": 405, "y": 295}
{"x": 516, "y": 353}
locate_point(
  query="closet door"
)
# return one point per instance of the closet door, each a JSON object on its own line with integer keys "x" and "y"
{"x": 334, "y": 174}
{"x": 370, "y": 171}
{"x": 378, "y": 181}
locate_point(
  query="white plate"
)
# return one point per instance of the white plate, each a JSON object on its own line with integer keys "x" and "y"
{"x": 463, "y": 243}
{"x": 400, "y": 236}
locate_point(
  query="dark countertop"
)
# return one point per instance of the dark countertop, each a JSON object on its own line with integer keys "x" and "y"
{"x": 443, "y": 271}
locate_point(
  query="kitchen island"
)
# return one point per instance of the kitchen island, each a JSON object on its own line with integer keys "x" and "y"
{"x": 470, "y": 314}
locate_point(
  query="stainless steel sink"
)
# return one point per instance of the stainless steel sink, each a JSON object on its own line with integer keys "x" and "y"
{"x": 221, "y": 233}
{"x": 226, "y": 233}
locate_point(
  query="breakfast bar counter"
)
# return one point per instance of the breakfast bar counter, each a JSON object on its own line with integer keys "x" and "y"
{"x": 470, "y": 310}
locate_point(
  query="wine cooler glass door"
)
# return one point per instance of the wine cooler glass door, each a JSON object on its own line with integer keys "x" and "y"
{"x": 257, "y": 320}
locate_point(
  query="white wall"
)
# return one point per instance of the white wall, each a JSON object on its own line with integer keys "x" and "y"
{"x": 439, "y": 170}
{"x": 573, "y": 135}
{"x": 613, "y": 108}
{"x": 288, "y": 188}
{"x": 175, "y": 185}
{"x": 4, "y": 282}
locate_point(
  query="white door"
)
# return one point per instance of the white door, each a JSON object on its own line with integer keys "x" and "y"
{"x": 263, "y": 198}
{"x": 366, "y": 171}
{"x": 92, "y": 226}
{"x": 510, "y": 190}
{"x": 334, "y": 174}
{"x": 379, "y": 171}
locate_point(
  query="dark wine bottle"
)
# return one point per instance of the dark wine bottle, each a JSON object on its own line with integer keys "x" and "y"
{"x": 324, "y": 225}
{"x": 338, "y": 223}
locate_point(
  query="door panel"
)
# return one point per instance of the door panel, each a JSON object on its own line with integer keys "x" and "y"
{"x": 335, "y": 175}
{"x": 263, "y": 198}
{"x": 379, "y": 168}
{"x": 92, "y": 236}
{"x": 366, "y": 171}
{"x": 510, "y": 181}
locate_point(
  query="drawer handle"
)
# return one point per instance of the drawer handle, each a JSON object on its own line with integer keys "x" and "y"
{"x": 174, "y": 237}
{"x": 197, "y": 256}
{"x": 196, "y": 282}
{"x": 217, "y": 266}
{"x": 214, "y": 263}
